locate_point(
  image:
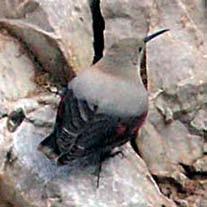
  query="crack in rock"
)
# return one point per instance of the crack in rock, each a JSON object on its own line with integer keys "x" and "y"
{"x": 98, "y": 29}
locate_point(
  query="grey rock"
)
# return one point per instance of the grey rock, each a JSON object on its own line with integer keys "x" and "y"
{"x": 13, "y": 72}
{"x": 168, "y": 145}
{"x": 123, "y": 19}
{"x": 59, "y": 37}
{"x": 201, "y": 165}
{"x": 183, "y": 85}
{"x": 181, "y": 51}
{"x": 124, "y": 181}
{"x": 199, "y": 123}
{"x": 173, "y": 139}
{"x": 175, "y": 129}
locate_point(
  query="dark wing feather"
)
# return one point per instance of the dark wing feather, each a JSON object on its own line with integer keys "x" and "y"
{"x": 76, "y": 115}
{"x": 97, "y": 133}
{"x": 96, "y": 136}
{"x": 83, "y": 130}
{"x": 80, "y": 130}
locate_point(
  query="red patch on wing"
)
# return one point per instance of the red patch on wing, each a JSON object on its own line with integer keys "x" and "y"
{"x": 121, "y": 129}
{"x": 139, "y": 123}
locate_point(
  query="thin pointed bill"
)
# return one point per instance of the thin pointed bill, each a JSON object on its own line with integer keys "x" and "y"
{"x": 148, "y": 38}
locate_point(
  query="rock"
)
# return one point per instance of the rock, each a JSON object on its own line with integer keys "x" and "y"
{"x": 201, "y": 165}
{"x": 58, "y": 37}
{"x": 13, "y": 71}
{"x": 182, "y": 86}
{"x": 173, "y": 140}
{"x": 174, "y": 133}
{"x": 199, "y": 123}
{"x": 167, "y": 145}
{"x": 125, "y": 19}
{"x": 181, "y": 51}
{"x": 40, "y": 182}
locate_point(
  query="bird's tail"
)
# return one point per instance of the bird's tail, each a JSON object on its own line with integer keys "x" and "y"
{"x": 49, "y": 147}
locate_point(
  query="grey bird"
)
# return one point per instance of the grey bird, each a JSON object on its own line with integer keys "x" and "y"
{"x": 103, "y": 107}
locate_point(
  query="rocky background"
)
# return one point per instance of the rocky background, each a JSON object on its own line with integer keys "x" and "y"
{"x": 44, "y": 43}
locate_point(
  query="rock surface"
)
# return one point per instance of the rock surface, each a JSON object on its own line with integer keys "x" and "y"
{"x": 123, "y": 19}
{"x": 27, "y": 178}
{"x": 39, "y": 182}
{"x": 62, "y": 28}
{"x": 173, "y": 142}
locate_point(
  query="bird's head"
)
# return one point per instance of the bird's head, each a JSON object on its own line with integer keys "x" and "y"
{"x": 126, "y": 58}
{"x": 132, "y": 49}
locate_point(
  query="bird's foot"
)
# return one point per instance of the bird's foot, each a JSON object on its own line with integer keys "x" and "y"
{"x": 97, "y": 173}
{"x": 104, "y": 157}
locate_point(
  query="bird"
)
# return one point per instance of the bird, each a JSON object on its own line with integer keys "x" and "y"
{"x": 102, "y": 108}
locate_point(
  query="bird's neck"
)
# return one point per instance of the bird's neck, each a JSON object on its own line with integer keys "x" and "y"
{"x": 121, "y": 67}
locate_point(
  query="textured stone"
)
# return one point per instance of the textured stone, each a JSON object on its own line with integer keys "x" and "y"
{"x": 59, "y": 37}
{"x": 199, "y": 123}
{"x": 173, "y": 141}
{"x": 182, "y": 51}
{"x": 124, "y": 181}
{"x": 175, "y": 132}
{"x": 13, "y": 73}
{"x": 201, "y": 165}
{"x": 123, "y": 19}
{"x": 164, "y": 147}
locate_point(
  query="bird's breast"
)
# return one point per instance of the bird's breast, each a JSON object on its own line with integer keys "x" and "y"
{"x": 112, "y": 95}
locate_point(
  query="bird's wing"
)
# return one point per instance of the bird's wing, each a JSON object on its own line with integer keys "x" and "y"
{"x": 82, "y": 130}
{"x": 96, "y": 135}
{"x": 79, "y": 129}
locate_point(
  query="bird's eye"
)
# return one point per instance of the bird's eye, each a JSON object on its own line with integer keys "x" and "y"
{"x": 140, "y": 49}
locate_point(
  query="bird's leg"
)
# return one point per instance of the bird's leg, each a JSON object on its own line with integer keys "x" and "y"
{"x": 98, "y": 173}
{"x": 102, "y": 158}
{"x": 111, "y": 154}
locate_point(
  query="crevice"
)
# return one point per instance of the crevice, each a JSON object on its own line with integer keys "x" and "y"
{"x": 178, "y": 191}
{"x": 169, "y": 185}
{"x": 98, "y": 29}
{"x": 3, "y": 115}
{"x": 143, "y": 71}
{"x": 192, "y": 174}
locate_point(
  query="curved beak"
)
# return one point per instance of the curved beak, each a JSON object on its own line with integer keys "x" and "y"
{"x": 148, "y": 38}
